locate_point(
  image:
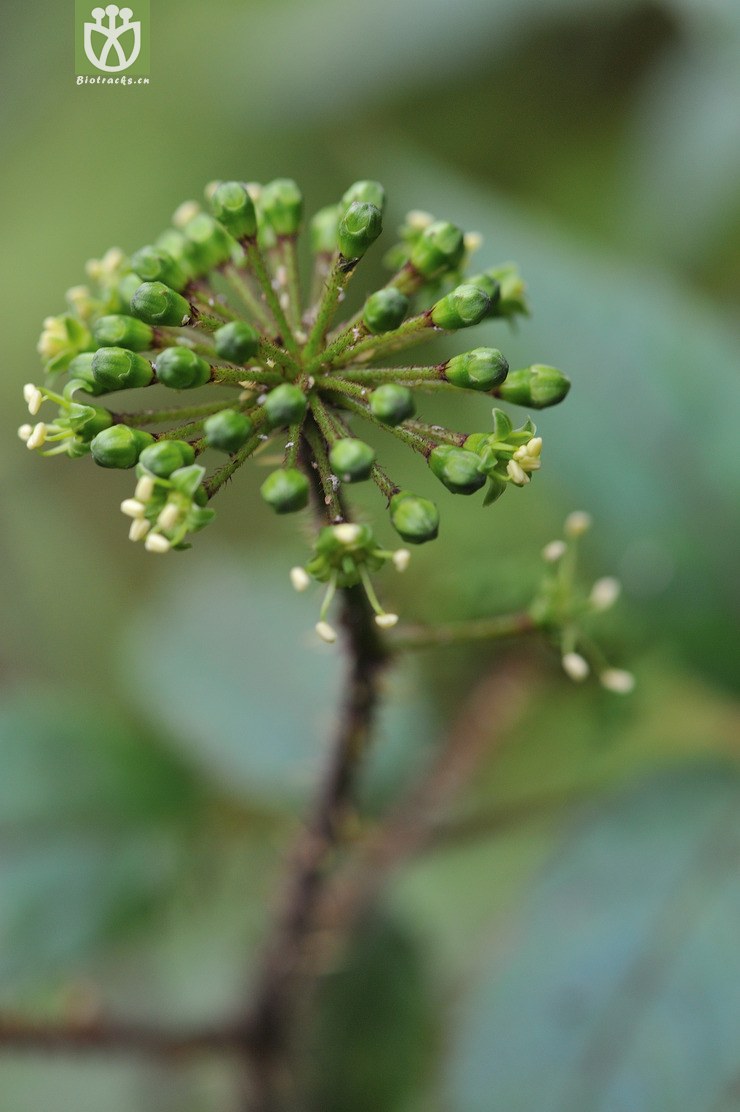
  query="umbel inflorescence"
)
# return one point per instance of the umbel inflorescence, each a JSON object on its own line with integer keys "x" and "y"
{"x": 214, "y": 307}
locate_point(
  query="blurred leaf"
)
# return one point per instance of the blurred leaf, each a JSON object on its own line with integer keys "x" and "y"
{"x": 376, "y": 1025}
{"x": 227, "y": 662}
{"x": 616, "y": 985}
{"x": 86, "y": 819}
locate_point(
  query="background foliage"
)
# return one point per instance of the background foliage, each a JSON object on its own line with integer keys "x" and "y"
{"x": 571, "y": 944}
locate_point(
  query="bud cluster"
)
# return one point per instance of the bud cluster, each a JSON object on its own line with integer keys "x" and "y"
{"x": 215, "y": 306}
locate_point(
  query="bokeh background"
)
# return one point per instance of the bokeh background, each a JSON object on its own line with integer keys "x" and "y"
{"x": 574, "y": 945}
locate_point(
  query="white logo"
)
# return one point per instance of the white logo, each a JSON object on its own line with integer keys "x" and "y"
{"x": 106, "y": 37}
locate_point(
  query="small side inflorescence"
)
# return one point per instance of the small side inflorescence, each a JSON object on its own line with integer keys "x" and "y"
{"x": 215, "y": 306}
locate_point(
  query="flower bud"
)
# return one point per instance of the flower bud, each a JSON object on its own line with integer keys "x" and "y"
{"x": 480, "y": 369}
{"x": 512, "y": 301}
{"x": 81, "y": 369}
{"x": 385, "y": 309}
{"x": 115, "y": 368}
{"x": 285, "y": 405}
{"x": 490, "y": 286}
{"x": 285, "y": 490}
{"x": 457, "y": 468}
{"x": 415, "y": 519}
{"x": 153, "y": 264}
{"x": 323, "y": 230}
{"x": 158, "y": 304}
{"x": 439, "y": 248}
{"x": 233, "y": 207}
{"x": 181, "y": 369}
{"x": 184, "y": 252}
{"x": 392, "y": 403}
{"x": 351, "y": 460}
{"x": 371, "y": 192}
{"x": 281, "y": 205}
{"x": 228, "y": 430}
{"x": 211, "y": 242}
{"x": 538, "y": 387}
{"x": 119, "y": 446}
{"x": 120, "y": 331}
{"x": 461, "y": 308}
{"x": 164, "y": 457}
{"x": 358, "y": 229}
{"x": 236, "y": 342}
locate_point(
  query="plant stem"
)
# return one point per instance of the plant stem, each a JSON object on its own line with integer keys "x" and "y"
{"x": 274, "y": 1018}
{"x": 455, "y": 633}
{"x": 259, "y": 269}
{"x": 118, "y": 1037}
{"x": 336, "y": 283}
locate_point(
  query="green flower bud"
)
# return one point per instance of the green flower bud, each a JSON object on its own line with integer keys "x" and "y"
{"x": 228, "y": 430}
{"x": 153, "y": 264}
{"x": 464, "y": 306}
{"x": 116, "y": 368}
{"x": 236, "y": 342}
{"x": 385, "y": 309}
{"x": 392, "y": 404}
{"x": 125, "y": 332}
{"x": 234, "y": 208}
{"x": 489, "y": 285}
{"x": 370, "y": 191}
{"x": 184, "y": 252}
{"x": 212, "y": 243}
{"x": 457, "y": 468}
{"x": 285, "y": 490}
{"x": 285, "y": 405}
{"x": 415, "y": 519}
{"x": 166, "y": 456}
{"x": 119, "y": 446}
{"x": 81, "y": 369}
{"x": 323, "y": 230}
{"x": 126, "y": 289}
{"x": 358, "y": 229}
{"x": 537, "y": 387}
{"x": 480, "y": 369}
{"x": 158, "y": 304}
{"x": 334, "y": 542}
{"x": 181, "y": 369}
{"x": 281, "y": 205}
{"x": 513, "y": 296}
{"x": 351, "y": 460}
{"x": 439, "y": 248}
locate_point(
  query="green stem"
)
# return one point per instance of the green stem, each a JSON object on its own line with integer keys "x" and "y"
{"x": 415, "y": 330}
{"x": 352, "y": 333}
{"x": 323, "y": 419}
{"x": 336, "y": 283}
{"x": 250, "y": 301}
{"x": 162, "y": 416}
{"x": 321, "y": 270}
{"x": 293, "y": 445}
{"x": 259, "y": 269}
{"x": 383, "y": 482}
{"x": 289, "y": 258}
{"x": 224, "y": 375}
{"x": 411, "y": 439}
{"x": 455, "y": 633}
{"x": 376, "y": 376}
{"x": 437, "y": 432}
{"x": 314, "y": 440}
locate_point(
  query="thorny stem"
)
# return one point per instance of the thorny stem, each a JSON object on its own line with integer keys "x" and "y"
{"x": 257, "y": 263}
{"x": 275, "y": 1014}
{"x": 341, "y": 271}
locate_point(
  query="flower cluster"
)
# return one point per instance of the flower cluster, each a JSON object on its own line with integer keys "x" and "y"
{"x": 214, "y": 306}
{"x": 565, "y": 610}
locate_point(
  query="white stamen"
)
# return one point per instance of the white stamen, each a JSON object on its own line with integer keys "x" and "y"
{"x": 516, "y": 473}
{"x": 25, "y": 431}
{"x": 38, "y": 436}
{"x": 184, "y": 213}
{"x": 347, "y": 533}
{"x": 418, "y": 219}
{"x": 618, "y": 681}
{"x": 300, "y": 579}
{"x": 472, "y": 241}
{"x": 169, "y": 516}
{"x": 144, "y": 488}
{"x": 575, "y": 666}
{"x": 131, "y": 507}
{"x": 605, "y": 593}
{"x": 33, "y": 398}
{"x": 155, "y": 542}
{"x": 577, "y": 523}
{"x": 386, "y": 621}
{"x": 326, "y": 632}
{"x": 401, "y": 558}
{"x": 139, "y": 529}
{"x": 554, "y": 551}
